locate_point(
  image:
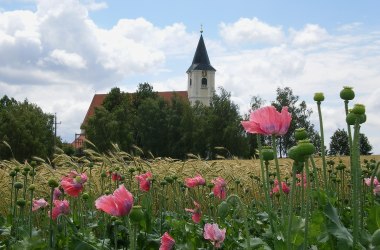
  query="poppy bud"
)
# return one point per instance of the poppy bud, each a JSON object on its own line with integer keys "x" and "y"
{"x": 32, "y": 187}
{"x": 351, "y": 118}
{"x": 358, "y": 109}
{"x": 300, "y": 134}
{"x": 85, "y": 196}
{"x": 136, "y": 214}
{"x": 12, "y": 173}
{"x": 18, "y": 185}
{"x": 347, "y": 93}
{"x": 223, "y": 209}
{"x": 267, "y": 153}
{"x": 319, "y": 97}
{"x": 21, "y": 202}
{"x": 53, "y": 183}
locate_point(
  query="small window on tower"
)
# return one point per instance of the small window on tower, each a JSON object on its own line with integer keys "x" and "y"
{"x": 204, "y": 83}
{"x": 190, "y": 82}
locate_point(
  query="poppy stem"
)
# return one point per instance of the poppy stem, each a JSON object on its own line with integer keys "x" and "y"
{"x": 274, "y": 146}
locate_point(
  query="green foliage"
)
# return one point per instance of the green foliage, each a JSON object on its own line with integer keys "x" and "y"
{"x": 339, "y": 144}
{"x": 300, "y": 119}
{"x": 164, "y": 128}
{"x": 27, "y": 130}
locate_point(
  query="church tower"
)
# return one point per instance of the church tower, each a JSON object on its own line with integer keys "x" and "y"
{"x": 201, "y": 76}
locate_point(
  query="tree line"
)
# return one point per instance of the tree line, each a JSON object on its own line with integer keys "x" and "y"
{"x": 159, "y": 127}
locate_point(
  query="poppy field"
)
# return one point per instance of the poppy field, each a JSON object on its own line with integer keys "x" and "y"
{"x": 120, "y": 200}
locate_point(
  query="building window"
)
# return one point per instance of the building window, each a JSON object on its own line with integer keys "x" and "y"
{"x": 190, "y": 82}
{"x": 204, "y": 83}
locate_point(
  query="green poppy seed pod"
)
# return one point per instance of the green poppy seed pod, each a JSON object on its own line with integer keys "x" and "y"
{"x": 18, "y": 185}
{"x": 103, "y": 174}
{"x": 319, "y": 97}
{"x": 375, "y": 239}
{"x": 107, "y": 192}
{"x": 267, "y": 153}
{"x": 131, "y": 170}
{"x": 223, "y": 209}
{"x": 33, "y": 164}
{"x": 32, "y": 173}
{"x": 53, "y": 183}
{"x": 26, "y": 169}
{"x": 347, "y": 93}
{"x": 300, "y": 134}
{"x": 85, "y": 196}
{"x": 12, "y": 173}
{"x": 358, "y": 109}
{"x": 139, "y": 169}
{"x": 305, "y": 147}
{"x": 163, "y": 183}
{"x": 175, "y": 177}
{"x": 21, "y": 202}
{"x": 351, "y": 118}
{"x": 169, "y": 179}
{"x": 210, "y": 185}
{"x": 237, "y": 181}
{"x": 117, "y": 168}
{"x": 32, "y": 187}
{"x": 294, "y": 154}
{"x": 136, "y": 214}
{"x": 24, "y": 173}
{"x": 17, "y": 169}
{"x": 91, "y": 165}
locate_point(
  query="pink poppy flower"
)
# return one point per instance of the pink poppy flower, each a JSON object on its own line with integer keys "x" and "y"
{"x": 60, "y": 207}
{"x": 214, "y": 234}
{"x": 268, "y": 121}
{"x": 167, "y": 242}
{"x": 301, "y": 179}
{"x": 37, "y": 204}
{"x": 73, "y": 183}
{"x": 220, "y": 188}
{"x": 194, "y": 182}
{"x": 276, "y": 187}
{"x": 376, "y": 190}
{"x": 367, "y": 181}
{"x": 116, "y": 176}
{"x": 56, "y": 194}
{"x": 196, "y": 217}
{"x": 144, "y": 181}
{"x": 117, "y": 204}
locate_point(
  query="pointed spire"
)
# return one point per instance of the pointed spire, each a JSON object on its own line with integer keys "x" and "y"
{"x": 201, "y": 60}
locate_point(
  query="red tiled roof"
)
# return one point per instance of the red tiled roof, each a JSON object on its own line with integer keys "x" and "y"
{"x": 98, "y": 100}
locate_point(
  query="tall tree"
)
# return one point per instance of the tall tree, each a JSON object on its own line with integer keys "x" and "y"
{"x": 339, "y": 144}
{"x": 300, "y": 119}
{"x": 26, "y": 128}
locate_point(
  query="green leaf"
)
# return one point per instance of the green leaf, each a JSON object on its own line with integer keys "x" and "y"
{"x": 336, "y": 228}
{"x": 373, "y": 219}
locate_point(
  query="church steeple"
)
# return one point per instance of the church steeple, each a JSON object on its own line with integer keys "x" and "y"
{"x": 201, "y": 76}
{"x": 201, "y": 60}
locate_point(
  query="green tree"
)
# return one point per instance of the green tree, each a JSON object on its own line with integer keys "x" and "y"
{"x": 112, "y": 122}
{"x": 339, "y": 144}
{"x": 300, "y": 119}
{"x": 27, "y": 130}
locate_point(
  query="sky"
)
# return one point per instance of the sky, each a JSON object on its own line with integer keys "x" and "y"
{"x": 59, "y": 53}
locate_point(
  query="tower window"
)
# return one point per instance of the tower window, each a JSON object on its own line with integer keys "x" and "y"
{"x": 204, "y": 83}
{"x": 190, "y": 82}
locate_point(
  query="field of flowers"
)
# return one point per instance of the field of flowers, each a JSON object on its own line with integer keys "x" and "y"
{"x": 121, "y": 201}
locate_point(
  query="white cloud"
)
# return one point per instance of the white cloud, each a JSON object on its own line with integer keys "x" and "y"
{"x": 92, "y": 5}
{"x": 311, "y": 34}
{"x": 68, "y": 59}
{"x": 247, "y": 30}
{"x": 57, "y": 57}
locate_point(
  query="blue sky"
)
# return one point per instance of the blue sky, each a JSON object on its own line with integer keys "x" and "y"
{"x": 57, "y": 54}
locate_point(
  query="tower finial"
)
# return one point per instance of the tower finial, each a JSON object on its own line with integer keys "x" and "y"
{"x": 201, "y": 28}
